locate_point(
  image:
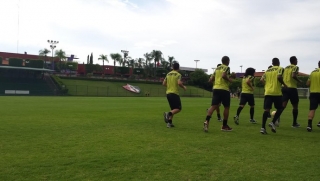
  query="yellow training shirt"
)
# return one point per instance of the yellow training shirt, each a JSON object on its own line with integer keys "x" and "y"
{"x": 219, "y": 82}
{"x": 245, "y": 87}
{"x": 287, "y": 76}
{"x": 172, "y": 82}
{"x": 314, "y": 79}
{"x": 273, "y": 86}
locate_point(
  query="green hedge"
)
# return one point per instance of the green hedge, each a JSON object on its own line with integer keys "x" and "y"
{"x": 123, "y": 70}
{"x": 16, "y": 62}
{"x": 63, "y": 88}
{"x": 34, "y": 63}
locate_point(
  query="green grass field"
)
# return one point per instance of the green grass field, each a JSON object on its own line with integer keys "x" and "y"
{"x": 103, "y": 138}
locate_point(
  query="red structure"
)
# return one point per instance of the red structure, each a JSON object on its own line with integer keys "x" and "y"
{"x": 106, "y": 69}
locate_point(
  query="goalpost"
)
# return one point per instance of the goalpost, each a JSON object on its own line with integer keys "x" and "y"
{"x": 303, "y": 93}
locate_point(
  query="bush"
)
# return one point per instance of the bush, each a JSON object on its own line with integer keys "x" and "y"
{"x": 34, "y": 63}
{"x": 62, "y": 88}
{"x": 16, "y": 62}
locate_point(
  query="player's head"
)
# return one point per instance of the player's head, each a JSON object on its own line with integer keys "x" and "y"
{"x": 219, "y": 65}
{"x": 250, "y": 71}
{"x": 293, "y": 60}
{"x": 275, "y": 62}
{"x": 270, "y": 66}
{"x": 225, "y": 60}
{"x": 175, "y": 66}
{"x": 319, "y": 64}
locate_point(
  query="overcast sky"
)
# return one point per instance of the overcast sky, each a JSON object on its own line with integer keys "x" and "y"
{"x": 250, "y": 32}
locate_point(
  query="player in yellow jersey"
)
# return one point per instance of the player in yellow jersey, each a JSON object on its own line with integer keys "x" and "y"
{"x": 173, "y": 82}
{"x": 247, "y": 95}
{"x": 262, "y": 79}
{"x": 291, "y": 93}
{"x": 273, "y": 80}
{"x": 314, "y": 83}
{"x": 221, "y": 94}
{"x": 218, "y": 108}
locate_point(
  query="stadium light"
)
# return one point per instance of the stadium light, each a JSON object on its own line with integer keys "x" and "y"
{"x": 52, "y": 46}
{"x": 241, "y": 68}
{"x": 196, "y": 63}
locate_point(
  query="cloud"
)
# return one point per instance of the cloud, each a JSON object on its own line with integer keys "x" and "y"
{"x": 250, "y": 32}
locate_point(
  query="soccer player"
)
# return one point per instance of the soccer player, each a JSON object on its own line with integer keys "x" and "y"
{"x": 291, "y": 93}
{"x": 262, "y": 80}
{"x": 272, "y": 95}
{"x": 247, "y": 95}
{"x": 221, "y": 94}
{"x": 314, "y": 83}
{"x": 218, "y": 108}
{"x": 173, "y": 82}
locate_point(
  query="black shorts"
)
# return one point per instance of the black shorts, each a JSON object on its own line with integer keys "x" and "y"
{"x": 174, "y": 101}
{"x": 314, "y": 101}
{"x": 290, "y": 94}
{"x": 269, "y": 100}
{"x": 247, "y": 98}
{"x": 221, "y": 96}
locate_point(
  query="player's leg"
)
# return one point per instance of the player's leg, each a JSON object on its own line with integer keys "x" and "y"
{"x": 285, "y": 99}
{"x": 314, "y": 99}
{"x": 218, "y": 113}
{"x": 277, "y": 100}
{"x": 175, "y": 104}
{"x": 294, "y": 99}
{"x": 243, "y": 101}
{"x": 215, "y": 101}
{"x": 251, "y": 104}
{"x": 226, "y": 103}
{"x": 267, "y": 104}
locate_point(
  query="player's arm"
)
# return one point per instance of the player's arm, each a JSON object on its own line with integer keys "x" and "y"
{"x": 164, "y": 83}
{"x": 225, "y": 75}
{"x": 263, "y": 78}
{"x": 295, "y": 74}
{"x": 212, "y": 77}
{"x": 181, "y": 84}
{"x": 280, "y": 78}
{"x": 308, "y": 82}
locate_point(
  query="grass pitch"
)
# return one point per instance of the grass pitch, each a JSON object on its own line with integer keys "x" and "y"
{"x": 81, "y": 138}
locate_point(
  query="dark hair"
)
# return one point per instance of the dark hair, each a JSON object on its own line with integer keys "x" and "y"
{"x": 319, "y": 64}
{"x": 293, "y": 59}
{"x": 275, "y": 62}
{"x": 219, "y": 65}
{"x": 225, "y": 59}
{"x": 270, "y": 66}
{"x": 250, "y": 71}
{"x": 176, "y": 66}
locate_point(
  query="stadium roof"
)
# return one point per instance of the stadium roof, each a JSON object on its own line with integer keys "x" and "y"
{"x": 192, "y": 69}
{"x": 26, "y": 68}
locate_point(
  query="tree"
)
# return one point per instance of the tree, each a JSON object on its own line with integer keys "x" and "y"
{"x": 140, "y": 62}
{"x": 61, "y": 55}
{"x": 199, "y": 78}
{"x": 171, "y": 61}
{"x": 88, "y": 61}
{"x": 103, "y": 58}
{"x": 91, "y": 58}
{"x": 156, "y": 56}
{"x": 44, "y": 53}
{"x": 115, "y": 57}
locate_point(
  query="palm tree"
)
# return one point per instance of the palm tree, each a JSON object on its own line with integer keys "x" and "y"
{"x": 140, "y": 62}
{"x": 103, "y": 58}
{"x": 171, "y": 59}
{"x": 44, "y": 53}
{"x": 115, "y": 57}
{"x": 62, "y": 55}
{"x": 156, "y": 56}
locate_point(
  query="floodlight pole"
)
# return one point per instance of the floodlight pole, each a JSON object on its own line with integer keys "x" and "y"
{"x": 241, "y": 68}
{"x": 52, "y": 46}
{"x": 196, "y": 63}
